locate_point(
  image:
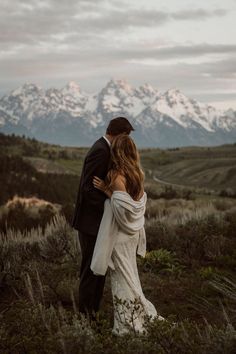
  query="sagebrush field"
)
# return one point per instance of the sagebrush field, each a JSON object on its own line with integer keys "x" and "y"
{"x": 188, "y": 272}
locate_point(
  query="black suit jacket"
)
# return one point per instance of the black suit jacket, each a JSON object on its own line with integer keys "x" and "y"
{"x": 90, "y": 201}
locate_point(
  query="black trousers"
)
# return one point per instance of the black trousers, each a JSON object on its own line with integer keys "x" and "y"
{"x": 91, "y": 286}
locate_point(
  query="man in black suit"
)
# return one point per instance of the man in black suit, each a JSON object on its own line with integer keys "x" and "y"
{"x": 89, "y": 211}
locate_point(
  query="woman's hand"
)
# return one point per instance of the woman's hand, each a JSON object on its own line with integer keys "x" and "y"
{"x": 100, "y": 184}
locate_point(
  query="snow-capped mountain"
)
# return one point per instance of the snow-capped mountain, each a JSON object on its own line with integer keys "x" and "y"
{"x": 70, "y": 116}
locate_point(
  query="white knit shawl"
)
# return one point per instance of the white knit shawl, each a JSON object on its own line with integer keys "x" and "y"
{"x": 121, "y": 212}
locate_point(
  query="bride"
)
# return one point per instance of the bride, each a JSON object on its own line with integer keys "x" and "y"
{"x": 121, "y": 235}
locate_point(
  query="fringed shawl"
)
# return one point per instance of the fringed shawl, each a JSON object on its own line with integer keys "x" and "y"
{"x": 121, "y": 212}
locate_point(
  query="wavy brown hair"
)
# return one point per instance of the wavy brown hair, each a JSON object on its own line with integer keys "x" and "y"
{"x": 125, "y": 161}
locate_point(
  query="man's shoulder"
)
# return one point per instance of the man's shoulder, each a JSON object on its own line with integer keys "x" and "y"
{"x": 99, "y": 144}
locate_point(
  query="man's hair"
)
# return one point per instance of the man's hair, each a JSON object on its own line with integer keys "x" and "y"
{"x": 118, "y": 126}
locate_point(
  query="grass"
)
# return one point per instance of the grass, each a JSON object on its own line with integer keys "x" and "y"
{"x": 66, "y": 166}
{"x": 209, "y": 173}
{"x": 188, "y": 272}
{"x": 39, "y": 281}
{"x": 72, "y": 166}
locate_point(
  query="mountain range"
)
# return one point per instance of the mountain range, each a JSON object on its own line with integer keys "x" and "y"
{"x": 72, "y": 117}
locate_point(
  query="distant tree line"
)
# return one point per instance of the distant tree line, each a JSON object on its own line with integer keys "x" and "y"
{"x": 19, "y": 177}
{"x": 31, "y": 147}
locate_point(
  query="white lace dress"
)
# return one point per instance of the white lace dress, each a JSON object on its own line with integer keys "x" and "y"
{"x": 120, "y": 237}
{"x": 130, "y": 304}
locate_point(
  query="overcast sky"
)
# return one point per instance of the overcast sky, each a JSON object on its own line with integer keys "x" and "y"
{"x": 186, "y": 44}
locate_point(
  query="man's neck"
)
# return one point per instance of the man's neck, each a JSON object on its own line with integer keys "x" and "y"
{"x": 108, "y": 141}
{"x": 108, "y": 137}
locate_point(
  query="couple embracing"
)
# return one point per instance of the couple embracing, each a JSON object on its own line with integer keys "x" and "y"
{"x": 109, "y": 217}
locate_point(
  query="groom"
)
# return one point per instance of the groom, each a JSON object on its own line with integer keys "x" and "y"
{"x": 89, "y": 211}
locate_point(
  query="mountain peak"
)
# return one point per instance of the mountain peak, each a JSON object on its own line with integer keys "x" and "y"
{"x": 147, "y": 87}
{"x": 147, "y": 90}
{"x": 78, "y": 117}
{"x": 175, "y": 97}
{"x": 72, "y": 89}
{"x": 72, "y": 86}
{"x": 119, "y": 83}
{"x": 26, "y": 88}
{"x": 174, "y": 91}
{"x": 30, "y": 85}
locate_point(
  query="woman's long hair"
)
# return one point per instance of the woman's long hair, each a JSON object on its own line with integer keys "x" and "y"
{"x": 125, "y": 161}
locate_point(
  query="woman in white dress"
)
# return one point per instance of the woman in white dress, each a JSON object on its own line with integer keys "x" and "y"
{"x": 122, "y": 235}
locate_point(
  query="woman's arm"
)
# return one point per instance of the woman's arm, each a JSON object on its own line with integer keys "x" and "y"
{"x": 101, "y": 185}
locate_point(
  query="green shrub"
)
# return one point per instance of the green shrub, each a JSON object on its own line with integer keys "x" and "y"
{"x": 208, "y": 273}
{"x": 196, "y": 240}
{"x": 161, "y": 261}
